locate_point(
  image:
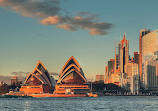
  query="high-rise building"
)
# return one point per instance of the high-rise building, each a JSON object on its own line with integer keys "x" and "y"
{"x": 99, "y": 78}
{"x": 117, "y": 61}
{"x": 131, "y": 69}
{"x": 109, "y": 69}
{"x": 111, "y": 66}
{"x": 143, "y": 32}
{"x": 152, "y": 75}
{"x": 106, "y": 75}
{"x": 117, "y": 65}
{"x": 151, "y": 72}
{"x": 149, "y": 43}
{"x": 124, "y": 53}
{"x": 136, "y": 57}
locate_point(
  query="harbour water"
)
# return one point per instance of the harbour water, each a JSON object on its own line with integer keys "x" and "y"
{"x": 106, "y": 103}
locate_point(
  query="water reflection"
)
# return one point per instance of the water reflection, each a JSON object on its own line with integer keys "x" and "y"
{"x": 27, "y": 105}
{"x": 108, "y": 103}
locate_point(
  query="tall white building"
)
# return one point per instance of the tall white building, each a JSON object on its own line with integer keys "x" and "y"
{"x": 131, "y": 69}
{"x": 149, "y": 46}
{"x": 151, "y": 72}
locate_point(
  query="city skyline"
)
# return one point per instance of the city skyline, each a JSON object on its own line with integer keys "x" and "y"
{"x": 24, "y": 41}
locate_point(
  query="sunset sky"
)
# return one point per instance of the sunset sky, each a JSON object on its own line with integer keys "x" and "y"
{"x": 54, "y": 30}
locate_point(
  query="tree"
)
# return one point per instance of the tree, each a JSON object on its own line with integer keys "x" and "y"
{"x": 4, "y": 88}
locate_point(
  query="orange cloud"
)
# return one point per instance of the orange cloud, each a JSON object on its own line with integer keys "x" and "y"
{"x": 66, "y": 27}
{"x": 95, "y": 31}
{"x": 78, "y": 17}
{"x": 52, "y": 20}
{"x": 48, "y": 12}
{"x": 33, "y": 8}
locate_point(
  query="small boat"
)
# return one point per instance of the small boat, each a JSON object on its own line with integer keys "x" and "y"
{"x": 92, "y": 95}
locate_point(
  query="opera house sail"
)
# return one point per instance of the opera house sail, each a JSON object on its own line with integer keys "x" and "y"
{"x": 71, "y": 79}
{"x": 39, "y": 81}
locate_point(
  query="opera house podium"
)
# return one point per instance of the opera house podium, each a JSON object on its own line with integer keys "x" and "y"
{"x": 71, "y": 79}
{"x": 39, "y": 81}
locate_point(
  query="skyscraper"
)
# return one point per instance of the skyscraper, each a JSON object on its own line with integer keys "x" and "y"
{"x": 109, "y": 69}
{"x": 136, "y": 57}
{"x": 151, "y": 72}
{"x": 111, "y": 66}
{"x": 148, "y": 45}
{"x": 124, "y": 53}
{"x": 152, "y": 75}
{"x": 131, "y": 69}
{"x": 143, "y": 32}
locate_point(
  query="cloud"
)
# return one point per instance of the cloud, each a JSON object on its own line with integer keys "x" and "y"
{"x": 7, "y": 79}
{"x": 33, "y": 8}
{"x": 48, "y": 12}
{"x": 20, "y": 73}
{"x": 67, "y": 27}
{"x": 52, "y": 20}
{"x": 95, "y": 31}
{"x": 79, "y": 22}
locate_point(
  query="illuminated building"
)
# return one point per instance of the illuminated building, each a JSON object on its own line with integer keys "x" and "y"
{"x": 117, "y": 66}
{"x": 143, "y": 32}
{"x": 99, "y": 78}
{"x": 136, "y": 57}
{"x": 115, "y": 78}
{"x": 39, "y": 81}
{"x": 131, "y": 78}
{"x": 14, "y": 80}
{"x": 124, "y": 53}
{"x": 151, "y": 72}
{"x": 71, "y": 79}
{"x": 131, "y": 69}
{"x": 152, "y": 75}
{"x": 149, "y": 46}
{"x": 106, "y": 75}
{"x": 109, "y": 69}
{"x": 111, "y": 66}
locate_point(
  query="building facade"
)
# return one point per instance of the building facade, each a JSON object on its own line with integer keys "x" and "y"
{"x": 143, "y": 32}
{"x": 151, "y": 73}
{"x": 71, "y": 79}
{"x": 39, "y": 81}
{"x": 14, "y": 80}
{"x": 149, "y": 46}
{"x": 131, "y": 69}
{"x": 124, "y": 53}
{"x": 136, "y": 57}
{"x": 132, "y": 76}
{"x": 117, "y": 66}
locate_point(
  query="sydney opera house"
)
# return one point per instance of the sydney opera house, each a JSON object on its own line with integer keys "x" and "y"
{"x": 39, "y": 81}
{"x": 71, "y": 82}
{"x": 71, "y": 79}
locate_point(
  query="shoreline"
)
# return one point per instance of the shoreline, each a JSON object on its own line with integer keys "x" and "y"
{"x": 61, "y": 95}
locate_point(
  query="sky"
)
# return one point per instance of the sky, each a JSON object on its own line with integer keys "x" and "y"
{"x": 54, "y": 30}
